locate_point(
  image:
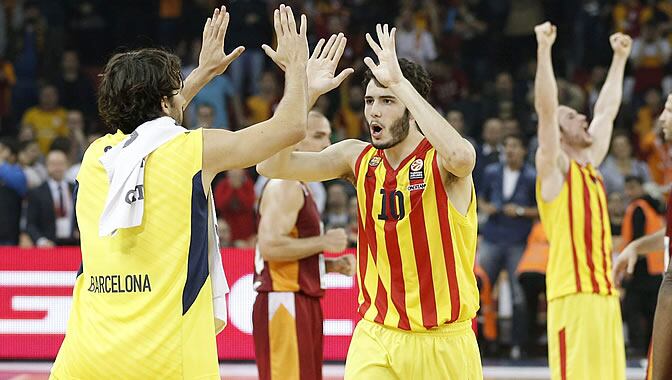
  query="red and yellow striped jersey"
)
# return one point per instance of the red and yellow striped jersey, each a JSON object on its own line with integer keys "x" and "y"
{"x": 305, "y": 275}
{"x": 415, "y": 250}
{"x": 577, "y": 225}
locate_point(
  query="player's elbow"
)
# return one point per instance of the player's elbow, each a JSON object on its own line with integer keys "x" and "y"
{"x": 268, "y": 249}
{"x": 461, "y": 162}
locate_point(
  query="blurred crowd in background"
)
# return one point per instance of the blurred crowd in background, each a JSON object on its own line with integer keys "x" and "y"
{"x": 481, "y": 57}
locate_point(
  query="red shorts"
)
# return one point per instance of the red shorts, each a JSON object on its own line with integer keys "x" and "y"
{"x": 287, "y": 332}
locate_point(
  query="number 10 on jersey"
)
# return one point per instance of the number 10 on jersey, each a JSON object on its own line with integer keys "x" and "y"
{"x": 392, "y": 206}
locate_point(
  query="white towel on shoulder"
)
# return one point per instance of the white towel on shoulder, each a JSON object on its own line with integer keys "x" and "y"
{"x": 125, "y": 166}
{"x": 124, "y": 207}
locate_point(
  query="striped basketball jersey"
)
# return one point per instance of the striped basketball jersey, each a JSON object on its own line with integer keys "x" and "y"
{"x": 415, "y": 250}
{"x": 142, "y": 302}
{"x": 304, "y": 275}
{"x": 577, "y": 225}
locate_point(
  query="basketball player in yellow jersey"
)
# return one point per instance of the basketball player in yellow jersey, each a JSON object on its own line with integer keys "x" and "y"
{"x": 143, "y": 300}
{"x": 585, "y": 336}
{"x": 417, "y": 227}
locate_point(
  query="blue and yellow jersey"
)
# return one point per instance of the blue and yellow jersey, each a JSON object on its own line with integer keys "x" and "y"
{"x": 142, "y": 302}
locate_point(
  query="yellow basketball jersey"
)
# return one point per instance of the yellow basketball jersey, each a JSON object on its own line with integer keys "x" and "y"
{"x": 142, "y": 302}
{"x": 577, "y": 225}
{"x": 415, "y": 250}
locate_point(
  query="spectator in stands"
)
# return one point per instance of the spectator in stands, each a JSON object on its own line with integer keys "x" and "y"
{"x": 47, "y": 119}
{"x": 616, "y": 206}
{"x": 74, "y": 88}
{"x": 7, "y": 81}
{"x": 12, "y": 189}
{"x": 349, "y": 120}
{"x": 642, "y": 217}
{"x": 490, "y": 150}
{"x": 629, "y": 16}
{"x": 621, "y": 163}
{"x": 647, "y": 114}
{"x": 508, "y": 199}
{"x": 499, "y": 104}
{"x": 260, "y": 107}
{"x": 29, "y": 159}
{"x": 235, "y": 202}
{"x": 414, "y": 41}
{"x": 250, "y": 27}
{"x": 50, "y": 214}
{"x": 650, "y": 53}
{"x": 27, "y": 48}
{"x": 205, "y": 116}
{"x": 337, "y": 213}
{"x": 224, "y": 233}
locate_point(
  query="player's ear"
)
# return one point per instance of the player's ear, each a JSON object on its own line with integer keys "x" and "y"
{"x": 164, "y": 104}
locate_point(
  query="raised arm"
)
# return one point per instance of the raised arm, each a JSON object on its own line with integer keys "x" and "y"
{"x": 336, "y": 161}
{"x": 223, "y": 150}
{"x": 546, "y": 103}
{"x": 279, "y": 209}
{"x": 457, "y": 155}
{"x": 609, "y": 100}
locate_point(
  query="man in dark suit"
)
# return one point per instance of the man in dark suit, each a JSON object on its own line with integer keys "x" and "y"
{"x": 50, "y": 209}
{"x": 508, "y": 200}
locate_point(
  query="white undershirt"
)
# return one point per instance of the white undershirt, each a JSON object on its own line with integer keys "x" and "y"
{"x": 509, "y": 182}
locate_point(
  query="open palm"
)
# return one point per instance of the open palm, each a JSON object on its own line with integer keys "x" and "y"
{"x": 212, "y": 56}
{"x": 387, "y": 71}
{"x": 321, "y": 66}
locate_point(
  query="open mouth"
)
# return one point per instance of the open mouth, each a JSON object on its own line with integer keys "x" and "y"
{"x": 376, "y": 130}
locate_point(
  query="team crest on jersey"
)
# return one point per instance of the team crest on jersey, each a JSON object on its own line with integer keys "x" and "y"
{"x": 375, "y": 161}
{"x": 416, "y": 171}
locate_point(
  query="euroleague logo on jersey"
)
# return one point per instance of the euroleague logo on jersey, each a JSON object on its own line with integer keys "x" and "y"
{"x": 416, "y": 171}
{"x": 375, "y": 161}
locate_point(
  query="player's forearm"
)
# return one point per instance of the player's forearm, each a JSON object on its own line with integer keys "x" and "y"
{"x": 546, "y": 101}
{"x": 285, "y": 248}
{"x": 292, "y": 111}
{"x": 609, "y": 100}
{"x": 196, "y": 80}
{"x": 650, "y": 243}
{"x": 452, "y": 147}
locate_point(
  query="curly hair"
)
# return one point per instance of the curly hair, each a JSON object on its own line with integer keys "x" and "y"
{"x": 133, "y": 84}
{"x": 415, "y": 73}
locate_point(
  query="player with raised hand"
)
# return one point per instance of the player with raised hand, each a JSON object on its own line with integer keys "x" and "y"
{"x": 417, "y": 226}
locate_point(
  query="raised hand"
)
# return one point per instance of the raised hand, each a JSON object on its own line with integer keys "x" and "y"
{"x": 212, "y": 57}
{"x": 546, "y": 33}
{"x": 620, "y": 44}
{"x": 322, "y": 66}
{"x": 387, "y": 71}
{"x": 292, "y": 44}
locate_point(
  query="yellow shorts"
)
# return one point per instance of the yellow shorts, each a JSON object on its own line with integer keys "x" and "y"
{"x": 447, "y": 352}
{"x": 585, "y": 337}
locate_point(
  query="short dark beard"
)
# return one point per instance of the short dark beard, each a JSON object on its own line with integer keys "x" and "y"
{"x": 399, "y": 130}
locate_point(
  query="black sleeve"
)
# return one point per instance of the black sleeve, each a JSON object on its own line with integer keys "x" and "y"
{"x": 638, "y": 223}
{"x": 33, "y": 216}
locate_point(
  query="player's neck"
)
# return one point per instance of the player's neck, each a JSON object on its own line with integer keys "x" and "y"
{"x": 580, "y": 155}
{"x": 397, "y": 153}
